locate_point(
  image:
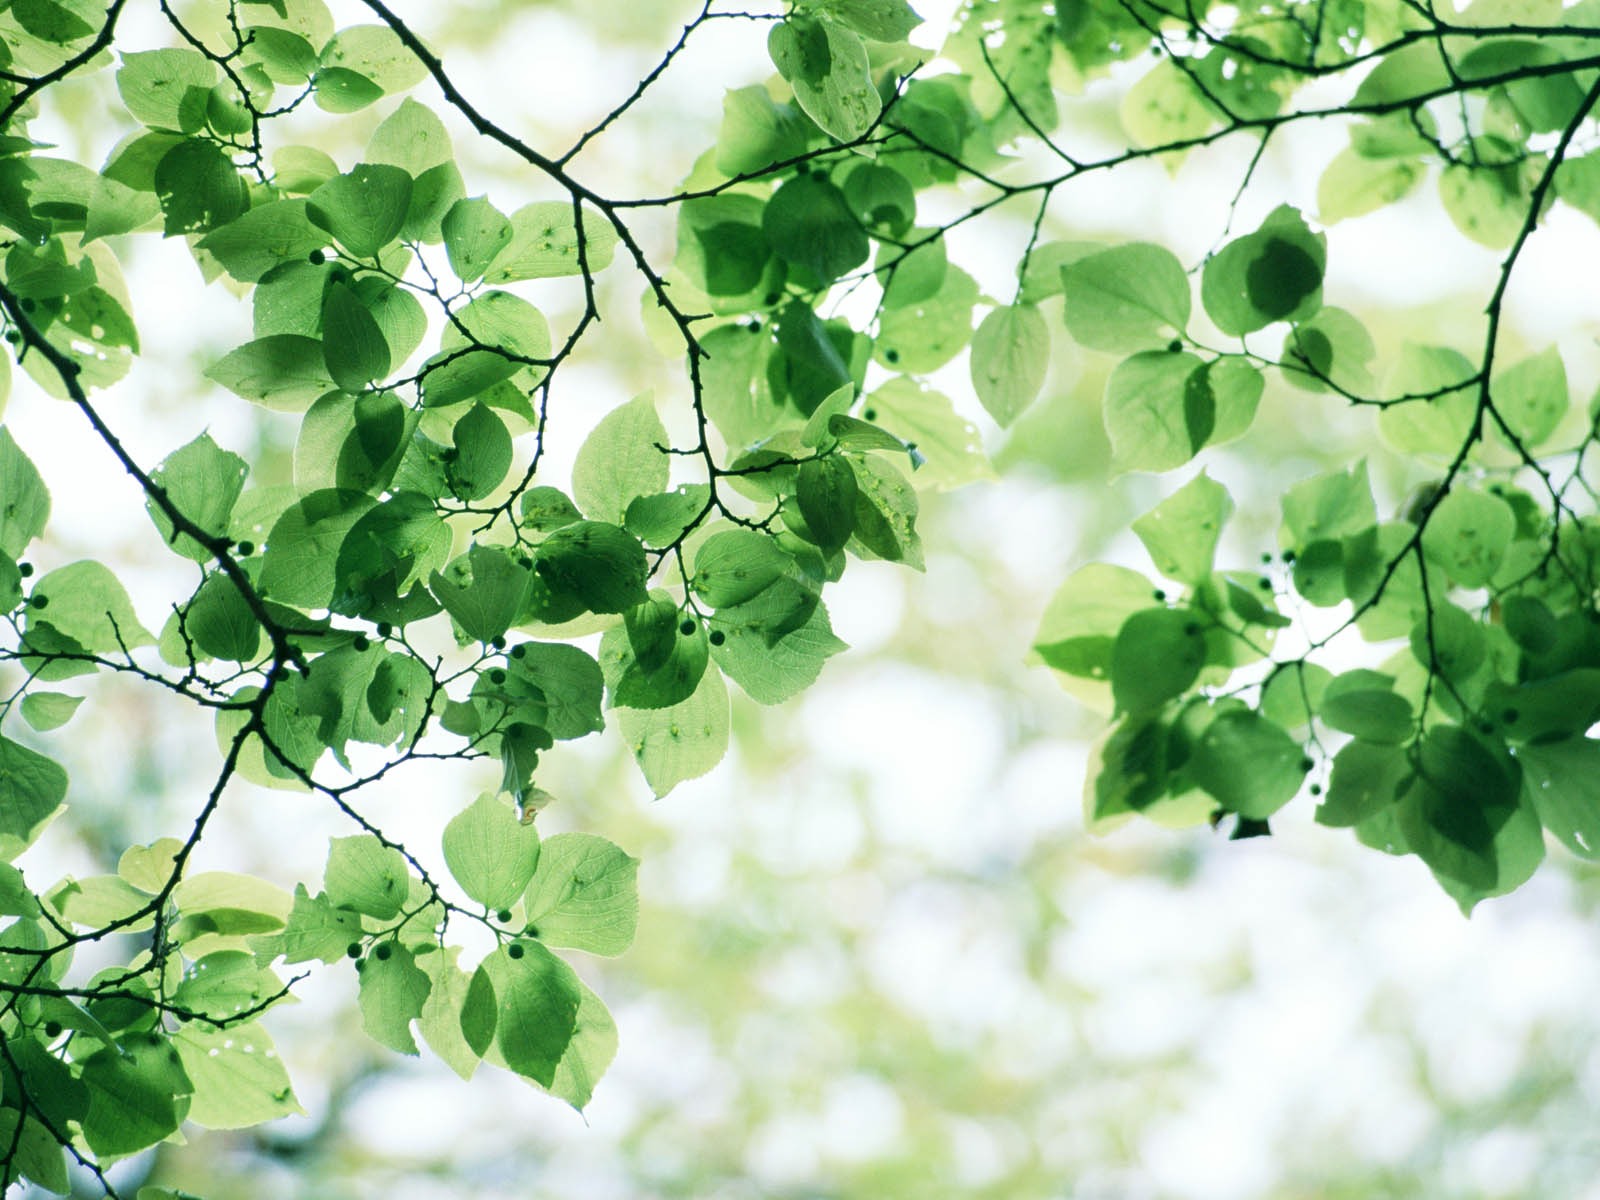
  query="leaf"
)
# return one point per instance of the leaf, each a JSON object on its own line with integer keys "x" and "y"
{"x": 598, "y": 564}
{"x": 49, "y": 710}
{"x": 1248, "y": 764}
{"x": 281, "y": 371}
{"x": 199, "y": 188}
{"x": 584, "y": 895}
{"x": 1274, "y": 274}
{"x": 167, "y": 89}
{"x": 947, "y": 445}
{"x": 681, "y": 742}
{"x": 923, "y": 335}
{"x": 1354, "y": 184}
{"x": 365, "y": 875}
{"x": 238, "y": 1078}
{"x": 364, "y": 209}
{"x": 1155, "y": 658}
{"x": 1010, "y": 355}
{"x": 1181, "y": 532}
{"x": 483, "y": 590}
{"x": 1332, "y": 505}
{"x": 1562, "y": 781}
{"x": 1532, "y": 396}
{"x": 475, "y": 231}
{"x": 1125, "y": 298}
{"x": 87, "y": 603}
{"x": 828, "y": 69}
{"x": 623, "y": 458}
{"x": 775, "y": 644}
{"x": 393, "y": 992}
{"x": 757, "y": 132}
{"x": 301, "y": 566}
{"x": 203, "y": 481}
{"x": 734, "y": 565}
{"x": 266, "y": 236}
{"x": 810, "y": 225}
{"x": 1468, "y": 534}
{"x": 1367, "y": 779}
{"x": 316, "y": 929}
{"x": 376, "y": 53}
{"x": 538, "y": 998}
{"x": 568, "y": 682}
{"x": 445, "y": 1009}
{"x": 545, "y": 244}
{"x": 1147, "y": 408}
{"x": 24, "y": 499}
{"x": 138, "y": 1094}
{"x": 588, "y": 1054}
{"x": 491, "y": 853}
{"x": 483, "y": 454}
{"x": 352, "y": 342}
{"x": 825, "y": 491}
{"x": 412, "y": 138}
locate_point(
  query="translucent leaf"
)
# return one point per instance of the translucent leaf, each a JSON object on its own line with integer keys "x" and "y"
{"x": 317, "y": 929}
{"x": 352, "y": 342}
{"x": 1010, "y": 355}
{"x": 600, "y": 565}
{"x": 1181, "y": 532}
{"x": 49, "y": 710}
{"x": 545, "y": 244}
{"x": 825, "y": 491}
{"x": 1562, "y": 779}
{"x": 1274, "y": 274}
{"x": 757, "y": 132}
{"x": 1367, "y": 779}
{"x": 199, "y": 188}
{"x": 538, "y": 998}
{"x": 1332, "y": 348}
{"x": 88, "y": 604}
{"x": 365, "y": 875}
{"x": 490, "y": 852}
{"x": 280, "y": 371}
{"x": 364, "y": 209}
{"x": 238, "y": 1078}
{"x": 1248, "y": 764}
{"x": 269, "y": 234}
{"x": 393, "y": 991}
{"x": 1532, "y": 396}
{"x": 167, "y": 89}
{"x": 1354, "y": 184}
{"x": 584, "y": 895}
{"x": 1490, "y": 203}
{"x": 735, "y": 564}
{"x": 474, "y": 232}
{"x": 1125, "y": 298}
{"x": 771, "y": 666}
{"x": 1148, "y": 407}
{"x": 1165, "y": 108}
{"x": 1330, "y": 505}
{"x": 683, "y": 741}
{"x": 376, "y": 53}
{"x": 138, "y": 1094}
{"x": 1439, "y": 419}
{"x": 588, "y": 1054}
{"x": 623, "y": 458}
{"x": 828, "y": 69}
{"x": 301, "y": 563}
{"x": 1467, "y": 535}
{"x": 945, "y": 443}
{"x": 810, "y": 225}
{"x": 483, "y": 453}
{"x": 412, "y": 138}
{"x": 24, "y": 500}
{"x": 1156, "y": 656}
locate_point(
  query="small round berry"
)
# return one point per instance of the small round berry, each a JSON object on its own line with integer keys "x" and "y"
{"x": 38, "y": 601}
{"x": 25, "y": 569}
{"x": 869, "y": 414}
{"x": 1174, "y": 346}
{"x": 385, "y": 629}
{"x": 52, "y": 1029}
{"x": 360, "y": 644}
{"x": 246, "y": 549}
{"x": 383, "y": 952}
{"x": 717, "y": 637}
{"x": 519, "y": 651}
{"x": 497, "y": 676}
{"x": 515, "y": 950}
{"x": 316, "y": 258}
{"x": 353, "y": 950}
{"x": 499, "y": 643}
{"x": 891, "y": 356}
{"x": 687, "y": 628}
{"x": 503, "y": 916}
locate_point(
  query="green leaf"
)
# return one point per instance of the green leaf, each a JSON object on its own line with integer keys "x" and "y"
{"x": 1010, "y": 355}
{"x": 600, "y": 565}
{"x": 233, "y": 904}
{"x": 1452, "y": 815}
{"x": 1491, "y": 202}
{"x": 138, "y": 1094}
{"x": 686, "y": 740}
{"x": 199, "y": 188}
{"x": 922, "y": 336}
{"x": 826, "y": 490}
{"x": 365, "y": 875}
{"x": 545, "y": 244}
{"x": 775, "y": 644}
{"x": 810, "y": 225}
{"x": 1367, "y": 779}
{"x": 1562, "y": 779}
{"x": 828, "y": 69}
{"x": 1467, "y": 535}
{"x": 588, "y": 1054}
{"x": 393, "y": 992}
{"x": 664, "y": 519}
{"x": 654, "y": 664}
{"x": 33, "y": 1152}
{"x": 301, "y": 563}
{"x": 1441, "y": 413}
{"x": 376, "y": 53}
{"x": 364, "y": 209}
{"x": 886, "y": 514}
{"x": 1181, "y": 532}
{"x": 508, "y": 331}
{"x": 1156, "y": 657}
{"x": 1125, "y": 298}
{"x": 1274, "y": 274}
{"x": 1352, "y": 704}
{"x": 947, "y": 445}
{"x": 757, "y": 132}
{"x": 1354, "y": 184}
{"x": 490, "y": 852}
{"x": 264, "y": 237}
{"x": 483, "y": 453}
{"x": 881, "y": 20}
{"x": 24, "y": 500}
{"x": 483, "y": 590}
{"x": 317, "y": 929}
{"x": 882, "y": 199}
{"x": 412, "y": 138}
{"x": 1532, "y": 396}
{"x": 1332, "y": 505}
{"x": 49, "y": 710}
{"x": 88, "y": 604}
{"x": 203, "y": 481}
{"x": 584, "y": 895}
{"x": 238, "y": 1078}
{"x": 475, "y": 231}
{"x": 538, "y": 998}
{"x": 356, "y": 351}
{"x": 623, "y": 458}
{"x": 167, "y": 89}
{"x": 445, "y": 1009}
{"x": 280, "y": 371}
{"x": 1148, "y": 408}
{"x": 734, "y": 565}
{"x": 1248, "y": 764}
{"x": 568, "y": 682}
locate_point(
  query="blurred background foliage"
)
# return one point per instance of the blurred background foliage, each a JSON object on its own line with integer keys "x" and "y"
{"x": 878, "y": 954}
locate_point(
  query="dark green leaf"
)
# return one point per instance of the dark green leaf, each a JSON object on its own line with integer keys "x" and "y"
{"x": 364, "y": 209}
